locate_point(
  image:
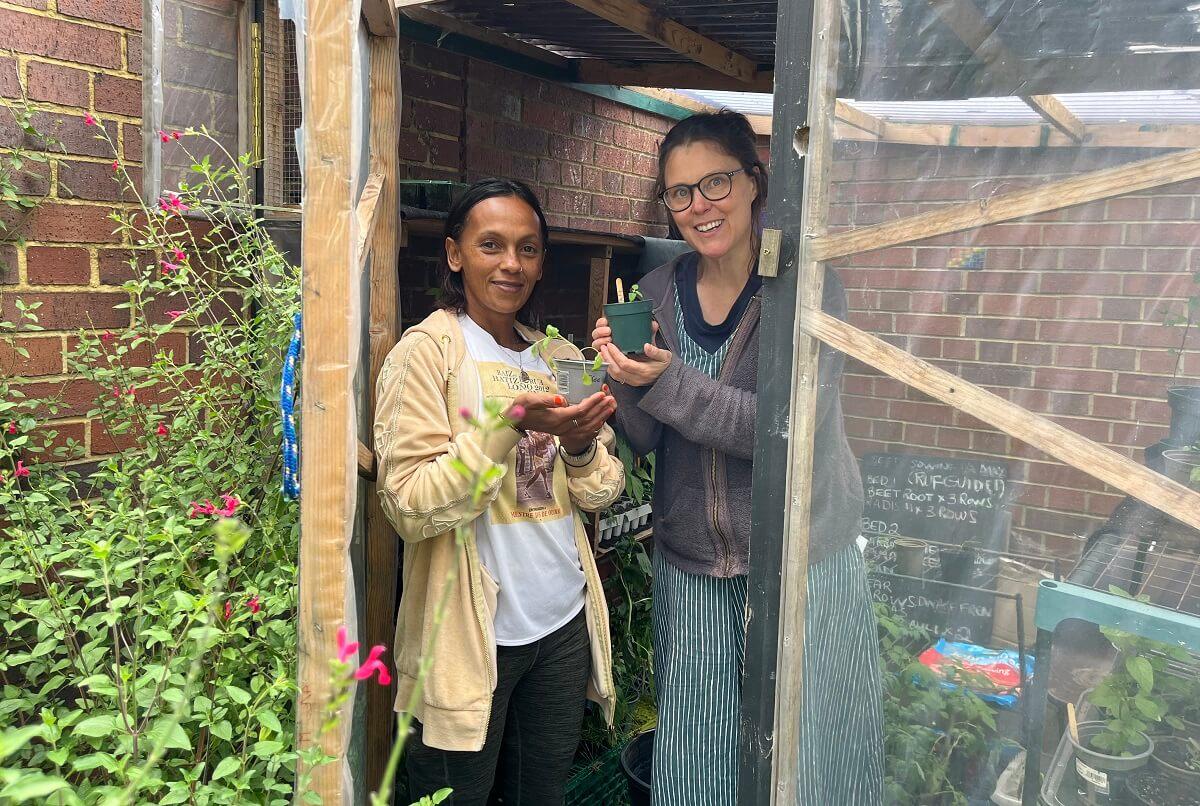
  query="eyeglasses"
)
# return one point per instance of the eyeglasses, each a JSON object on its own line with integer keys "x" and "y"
{"x": 713, "y": 187}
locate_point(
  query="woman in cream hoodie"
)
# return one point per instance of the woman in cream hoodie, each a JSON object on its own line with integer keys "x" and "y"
{"x": 524, "y": 637}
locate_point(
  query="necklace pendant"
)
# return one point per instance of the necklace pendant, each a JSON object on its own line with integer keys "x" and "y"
{"x": 524, "y": 375}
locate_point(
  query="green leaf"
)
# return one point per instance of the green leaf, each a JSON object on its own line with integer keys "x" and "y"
{"x": 227, "y": 766}
{"x": 1140, "y": 670}
{"x": 13, "y": 740}
{"x": 97, "y": 727}
{"x": 169, "y": 734}
{"x": 32, "y": 786}
{"x": 240, "y": 696}
{"x": 270, "y": 722}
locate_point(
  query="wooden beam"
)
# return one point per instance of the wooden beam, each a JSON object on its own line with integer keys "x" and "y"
{"x": 1057, "y": 115}
{"x": 380, "y": 16}
{"x": 382, "y": 546}
{"x": 859, "y": 119}
{"x": 598, "y": 286}
{"x": 365, "y": 212}
{"x": 1103, "y": 184}
{"x": 669, "y": 75}
{"x": 366, "y": 463}
{"x": 329, "y": 483}
{"x": 1049, "y": 437}
{"x": 815, "y": 145}
{"x": 677, "y": 98}
{"x": 488, "y": 36}
{"x": 644, "y": 21}
{"x": 1034, "y": 135}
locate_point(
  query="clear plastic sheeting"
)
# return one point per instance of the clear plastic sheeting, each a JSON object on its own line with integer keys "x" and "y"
{"x": 205, "y": 47}
{"x": 1024, "y": 219}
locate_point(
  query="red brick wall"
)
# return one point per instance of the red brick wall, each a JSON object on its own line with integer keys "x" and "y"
{"x": 1064, "y": 316}
{"x": 591, "y": 161}
{"x": 72, "y": 57}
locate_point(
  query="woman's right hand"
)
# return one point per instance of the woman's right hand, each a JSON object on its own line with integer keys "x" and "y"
{"x": 602, "y": 335}
{"x": 549, "y": 414}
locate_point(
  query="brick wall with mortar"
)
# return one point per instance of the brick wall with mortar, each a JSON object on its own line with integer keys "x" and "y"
{"x": 1064, "y": 315}
{"x": 591, "y": 161}
{"x": 69, "y": 58}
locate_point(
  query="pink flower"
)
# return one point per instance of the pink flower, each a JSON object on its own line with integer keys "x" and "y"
{"x": 228, "y": 610}
{"x": 253, "y": 604}
{"x": 516, "y": 413}
{"x": 12, "y": 427}
{"x": 168, "y": 267}
{"x": 465, "y": 413}
{"x": 346, "y": 649}
{"x": 178, "y": 255}
{"x": 231, "y": 505}
{"x": 374, "y": 664}
{"x": 162, "y": 430}
{"x": 175, "y": 314}
{"x": 21, "y": 471}
{"x": 166, "y": 138}
{"x": 116, "y": 166}
{"x": 174, "y": 135}
{"x": 107, "y": 336}
{"x": 118, "y": 391}
{"x": 88, "y": 120}
{"x": 197, "y": 510}
{"x": 171, "y": 203}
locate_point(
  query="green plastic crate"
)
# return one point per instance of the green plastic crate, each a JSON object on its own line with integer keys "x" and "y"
{"x": 599, "y": 783}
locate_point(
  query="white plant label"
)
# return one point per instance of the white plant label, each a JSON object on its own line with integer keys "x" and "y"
{"x": 1092, "y": 776}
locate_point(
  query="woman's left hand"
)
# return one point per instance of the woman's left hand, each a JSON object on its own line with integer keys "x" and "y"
{"x": 636, "y": 371}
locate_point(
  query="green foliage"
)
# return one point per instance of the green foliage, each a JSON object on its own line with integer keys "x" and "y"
{"x": 19, "y": 170}
{"x": 1139, "y": 691}
{"x": 635, "y": 293}
{"x": 935, "y": 739}
{"x": 639, "y": 471}
{"x": 148, "y": 644}
{"x": 631, "y": 626}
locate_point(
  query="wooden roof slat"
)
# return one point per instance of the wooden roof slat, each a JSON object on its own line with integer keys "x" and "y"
{"x": 488, "y": 36}
{"x": 1102, "y": 184}
{"x": 642, "y": 20}
{"x": 1057, "y": 115}
{"x": 859, "y": 119}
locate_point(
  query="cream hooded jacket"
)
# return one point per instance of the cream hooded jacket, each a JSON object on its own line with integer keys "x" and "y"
{"x": 418, "y": 436}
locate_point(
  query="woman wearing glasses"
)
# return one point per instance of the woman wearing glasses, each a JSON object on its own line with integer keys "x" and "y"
{"x": 691, "y": 397}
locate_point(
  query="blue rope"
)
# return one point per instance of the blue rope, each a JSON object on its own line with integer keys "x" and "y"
{"x": 287, "y": 408}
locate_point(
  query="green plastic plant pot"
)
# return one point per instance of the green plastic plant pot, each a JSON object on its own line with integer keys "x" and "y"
{"x": 630, "y": 323}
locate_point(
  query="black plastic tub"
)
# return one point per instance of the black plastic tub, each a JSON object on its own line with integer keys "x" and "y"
{"x": 637, "y": 760}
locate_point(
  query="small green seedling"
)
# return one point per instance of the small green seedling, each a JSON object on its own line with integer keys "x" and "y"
{"x": 541, "y": 347}
{"x": 635, "y": 293}
{"x": 595, "y": 367}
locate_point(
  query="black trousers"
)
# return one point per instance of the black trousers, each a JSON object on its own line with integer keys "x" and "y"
{"x": 536, "y": 721}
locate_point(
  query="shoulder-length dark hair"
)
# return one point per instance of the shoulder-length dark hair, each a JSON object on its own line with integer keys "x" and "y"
{"x": 452, "y": 295}
{"x": 732, "y": 133}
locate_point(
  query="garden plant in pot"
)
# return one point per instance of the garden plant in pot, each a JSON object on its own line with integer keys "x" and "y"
{"x": 1131, "y": 703}
{"x": 578, "y": 378}
{"x": 630, "y": 319}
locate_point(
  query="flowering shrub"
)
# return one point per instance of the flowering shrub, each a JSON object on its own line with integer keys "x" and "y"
{"x": 141, "y": 659}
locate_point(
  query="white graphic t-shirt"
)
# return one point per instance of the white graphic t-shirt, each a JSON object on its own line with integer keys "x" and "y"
{"x": 526, "y": 538}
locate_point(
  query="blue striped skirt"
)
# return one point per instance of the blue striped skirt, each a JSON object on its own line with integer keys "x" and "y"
{"x": 699, "y": 650}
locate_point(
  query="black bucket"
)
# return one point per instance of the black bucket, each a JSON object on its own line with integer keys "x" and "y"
{"x": 637, "y": 759}
{"x": 1185, "y": 415}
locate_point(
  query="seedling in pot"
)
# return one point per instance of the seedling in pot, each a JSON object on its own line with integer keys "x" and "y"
{"x": 630, "y": 319}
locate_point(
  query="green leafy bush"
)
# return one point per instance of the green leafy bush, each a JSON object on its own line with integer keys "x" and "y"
{"x": 142, "y": 658}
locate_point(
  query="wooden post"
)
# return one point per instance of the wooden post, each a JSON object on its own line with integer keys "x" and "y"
{"x": 817, "y": 145}
{"x": 598, "y": 288}
{"x": 776, "y": 333}
{"x": 382, "y": 544}
{"x": 332, "y": 144}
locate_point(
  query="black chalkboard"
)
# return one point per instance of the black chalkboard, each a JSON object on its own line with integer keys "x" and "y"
{"x": 941, "y": 501}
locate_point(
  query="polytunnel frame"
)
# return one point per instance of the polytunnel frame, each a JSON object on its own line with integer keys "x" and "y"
{"x": 807, "y": 249}
{"x": 343, "y": 225}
